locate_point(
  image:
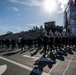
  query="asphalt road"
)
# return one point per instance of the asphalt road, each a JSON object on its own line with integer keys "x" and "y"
{"x": 13, "y": 69}
{"x": 15, "y": 62}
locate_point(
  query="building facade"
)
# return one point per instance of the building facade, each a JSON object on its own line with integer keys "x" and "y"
{"x": 70, "y": 17}
{"x": 49, "y": 26}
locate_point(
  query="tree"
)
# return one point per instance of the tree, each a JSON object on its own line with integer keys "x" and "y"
{"x": 35, "y": 28}
{"x": 9, "y": 32}
{"x": 41, "y": 27}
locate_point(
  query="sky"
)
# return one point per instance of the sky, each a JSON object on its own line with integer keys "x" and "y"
{"x": 22, "y": 15}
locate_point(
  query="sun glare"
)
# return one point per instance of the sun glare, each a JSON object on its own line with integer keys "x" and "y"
{"x": 50, "y": 6}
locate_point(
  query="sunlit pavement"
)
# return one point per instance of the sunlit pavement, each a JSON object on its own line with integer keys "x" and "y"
{"x": 34, "y": 63}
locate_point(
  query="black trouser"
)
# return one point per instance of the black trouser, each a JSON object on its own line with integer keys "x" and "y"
{"x": 35, "y": 44}
{"x": 19, "y": 45}
{"x": 30, "y": 45}
{"x": 45, "y": 48}
{"x": 39, "y": 46}
{"x": 8, "y": 46}
{"x": 22, "y": 46}
{"x": 13, "y": 45}
{"x": 51, "y": 45}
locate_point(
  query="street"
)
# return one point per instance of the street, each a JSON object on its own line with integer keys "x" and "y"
{"x": 33, "y": 62}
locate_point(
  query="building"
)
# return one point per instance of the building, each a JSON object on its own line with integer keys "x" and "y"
{"x": 49, "y": 26}
{"x": 70, "y": 17}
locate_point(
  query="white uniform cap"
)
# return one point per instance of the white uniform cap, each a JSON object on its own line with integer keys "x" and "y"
{"x": 63, "y": 33}
{"x": 44, "y": 31}
{"x": 59, "y": 33}
{"x": 56, "y": 32}
{"x": 50, "y": 32}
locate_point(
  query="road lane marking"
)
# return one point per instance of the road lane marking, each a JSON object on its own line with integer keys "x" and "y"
{"x": 54, "y": 66}
{"x": 3, "y": 68}
{"x": 68, "y": 65}
{"x": 74, "y": 57}
{"x": 24, "y": 66}
{"x": 30, "y": 57}
{"x": 74, "y": 61}
{"x": 44, "y": 59}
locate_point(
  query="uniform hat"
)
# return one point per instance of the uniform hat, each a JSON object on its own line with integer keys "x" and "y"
{"x": 63, "y": 32}
{"x": 56, "y": 33}
{"x": 50, "y": 32}
{"x": 59, "y": 33}
{"x": 44, "y": 31}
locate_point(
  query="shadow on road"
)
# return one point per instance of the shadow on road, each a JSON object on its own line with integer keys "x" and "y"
{"x": 10, "y": 53}
{"x": 35, "y": 52}
{"x": 70, "y": 51}
{"x": 44, "y": 61}
{"x": 40, "y": 64}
